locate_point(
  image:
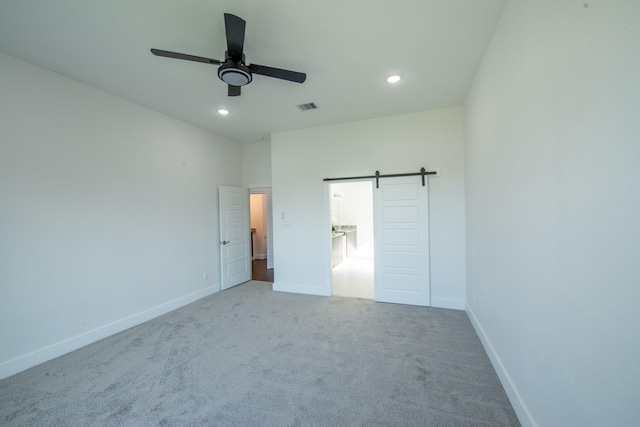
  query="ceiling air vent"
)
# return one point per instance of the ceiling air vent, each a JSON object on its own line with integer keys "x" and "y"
{"x": 309, "y": 106}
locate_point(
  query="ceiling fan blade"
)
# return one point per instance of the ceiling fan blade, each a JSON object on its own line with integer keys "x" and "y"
{"x": 234, "y": 90}
{"x": 292, "y": 76}
{"x": 184, "y": 56}
{"x": 235, "y": 35}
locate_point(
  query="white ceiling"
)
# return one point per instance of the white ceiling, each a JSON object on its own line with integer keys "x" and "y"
{"x": 346, "y": 47}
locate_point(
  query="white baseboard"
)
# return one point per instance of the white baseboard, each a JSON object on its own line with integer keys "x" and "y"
{"x": 450, "y": 303}
{"x": 299, "y": 289}
{"x": 455, "y": 304}
{"x": 259, "y": 256}
{"x": 50, "y": 352}
{"x": 519, "y": 406}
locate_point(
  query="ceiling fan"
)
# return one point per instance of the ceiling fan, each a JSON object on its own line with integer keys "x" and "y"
{"x": 233, "y": 69}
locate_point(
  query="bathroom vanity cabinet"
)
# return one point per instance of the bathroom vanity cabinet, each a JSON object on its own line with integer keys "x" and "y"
{"x": 338, "y": 248}
{"x": 344, "y": 243}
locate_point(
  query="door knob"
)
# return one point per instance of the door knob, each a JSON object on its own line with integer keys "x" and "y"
{"x": 224, "y": 242}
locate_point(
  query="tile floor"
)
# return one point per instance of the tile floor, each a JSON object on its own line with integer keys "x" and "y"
{"x": 354, "y": 276}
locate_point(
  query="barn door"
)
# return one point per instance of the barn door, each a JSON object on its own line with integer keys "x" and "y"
{"x": 401, "y": 236}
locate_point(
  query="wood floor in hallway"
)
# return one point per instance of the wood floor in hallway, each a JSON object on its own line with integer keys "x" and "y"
{"x": 260, "y": 271}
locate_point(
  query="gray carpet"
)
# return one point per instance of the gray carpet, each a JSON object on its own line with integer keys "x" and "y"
{"x": 252, "y": 357}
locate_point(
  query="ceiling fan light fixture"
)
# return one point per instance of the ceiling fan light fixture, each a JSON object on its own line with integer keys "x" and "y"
{"x": 234, "y": 73}
{"x": 233, "y": 70}
{"x": 394, "y": 79}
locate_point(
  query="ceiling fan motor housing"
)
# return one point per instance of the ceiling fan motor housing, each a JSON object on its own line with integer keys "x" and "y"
{"x": 233, "y": 71}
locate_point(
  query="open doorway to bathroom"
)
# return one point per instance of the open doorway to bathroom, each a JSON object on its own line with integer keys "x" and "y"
{"x": 261, "y": 227}
{"x": 352, "y": 239}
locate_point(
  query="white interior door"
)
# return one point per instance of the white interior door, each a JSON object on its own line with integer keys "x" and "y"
{"x": 401, "y": 236}
{"x": 235, "y": 246}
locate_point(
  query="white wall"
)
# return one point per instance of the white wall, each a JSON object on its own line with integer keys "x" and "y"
{"x": 553, "y": 209}
{"x": 256, "y": 164}
{"x": 405, "y": 143}
{"x": 256, "y": 175}
{"x": 108, "y": 213}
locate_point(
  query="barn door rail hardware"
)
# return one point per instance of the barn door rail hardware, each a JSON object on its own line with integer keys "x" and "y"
{"x": 423, "y": 173}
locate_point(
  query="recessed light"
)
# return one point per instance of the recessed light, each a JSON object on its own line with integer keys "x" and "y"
{"x": 394, "y": 79}
{"x": 223, "y": 112}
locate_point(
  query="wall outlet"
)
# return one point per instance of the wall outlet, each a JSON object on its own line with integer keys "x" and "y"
{"x": 205, "y": 276}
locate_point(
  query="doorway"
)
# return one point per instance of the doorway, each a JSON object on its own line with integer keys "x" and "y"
{"x": 399, "y": 240}
{"x": 261, "y": 231}
{"x": 352, "y": 249}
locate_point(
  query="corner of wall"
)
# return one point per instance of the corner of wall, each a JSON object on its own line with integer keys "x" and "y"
{"x": 519, "y": 406}
{"x": 300, "y": 289}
